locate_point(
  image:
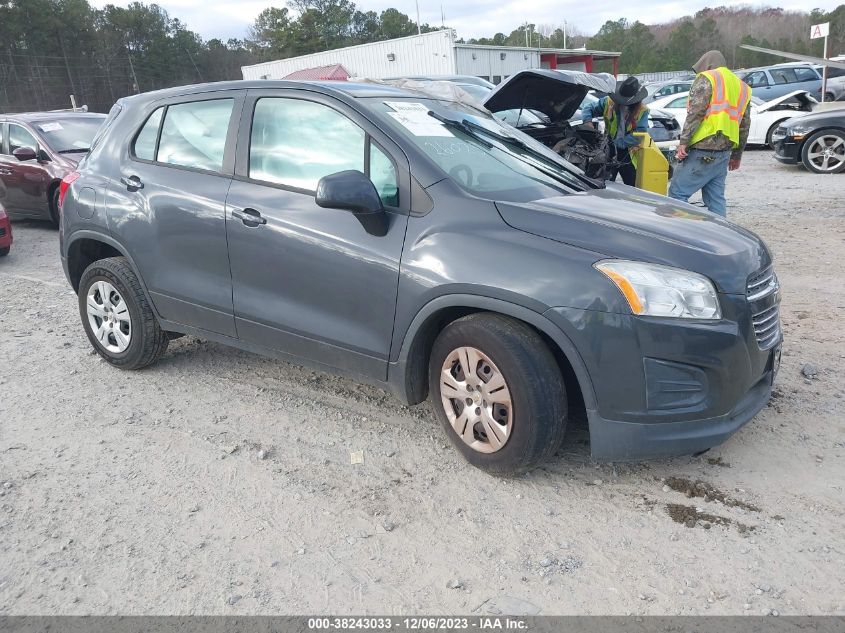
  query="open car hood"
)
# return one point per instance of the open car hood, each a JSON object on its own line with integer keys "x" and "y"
{"x": 555, "y": 93}
{"x": 802, "y": 96}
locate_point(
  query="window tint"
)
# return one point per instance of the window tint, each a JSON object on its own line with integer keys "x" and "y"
{"x": 296, "y": 142}
{"x": 194, "y": 134}
{"x": 2, "y": 136}
{"x": 805, "y": 74}
{"x": 383, "y": 175}
{"x": 19, "y": 137}
{"x": 145, "y": 142}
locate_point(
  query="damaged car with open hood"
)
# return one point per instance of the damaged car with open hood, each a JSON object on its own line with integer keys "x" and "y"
{"x": 547, "y": 104}
{"x": 422, "y": 245}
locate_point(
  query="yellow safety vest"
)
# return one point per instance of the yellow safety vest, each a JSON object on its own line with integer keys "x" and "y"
{"x": 728, "y": 102}
{"x": 611, "y": 124}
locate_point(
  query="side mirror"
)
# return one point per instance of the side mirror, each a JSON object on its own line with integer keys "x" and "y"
{"x": 353, "y": 191}
{"x": 24, "y": 153}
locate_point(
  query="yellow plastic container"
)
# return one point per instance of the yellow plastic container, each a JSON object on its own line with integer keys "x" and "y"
{"x": 652, "y": 166}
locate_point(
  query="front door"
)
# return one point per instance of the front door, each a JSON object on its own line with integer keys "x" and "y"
{"x": 25, "y": 182}
{"x": 167, "y": 207}
{"x": 311, "y": 281}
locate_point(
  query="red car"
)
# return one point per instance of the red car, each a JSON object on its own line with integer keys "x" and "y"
{"x": 5, "y": 232}
{"x": 37, "y": 150}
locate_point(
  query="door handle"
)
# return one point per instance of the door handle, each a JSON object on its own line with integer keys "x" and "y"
{"x": 250, "y": 217}
{"x": 132, "y": 183}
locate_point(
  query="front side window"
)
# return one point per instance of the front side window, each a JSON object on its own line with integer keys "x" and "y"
{"x": 680, "y": 102}
{"x": 757, "y": 79}
{"x": 20, "y": 137}
{"x": 194, "y": 134}
{"x": 296, "y": 142}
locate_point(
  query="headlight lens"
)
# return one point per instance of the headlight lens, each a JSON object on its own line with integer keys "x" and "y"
{"x": 799, "y": 130}
{"x": 655, "y": 290}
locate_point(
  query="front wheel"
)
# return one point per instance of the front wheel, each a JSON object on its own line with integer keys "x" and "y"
{"x": 824, "y": 152}
{"x": 498, "y": 392}
{"x": 116, "y": 316}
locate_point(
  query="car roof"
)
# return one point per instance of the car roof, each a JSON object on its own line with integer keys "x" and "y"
{"x": 28, "y": 117}
{"x": 349, "y": 89}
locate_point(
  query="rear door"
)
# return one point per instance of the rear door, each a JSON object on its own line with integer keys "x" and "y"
{"x": 25, "y": 182}
{"x": 168, "y": 207}
{"x": 311, "y": 281}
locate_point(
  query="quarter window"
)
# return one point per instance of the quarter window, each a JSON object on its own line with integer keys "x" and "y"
{"x": 296, "y": 142}
{"x": 20, "y": 137}
{"x": 194, "y": 134}
{"x": 145, "y": 142}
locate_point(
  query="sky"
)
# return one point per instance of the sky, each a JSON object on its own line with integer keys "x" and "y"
{"x": 225, "y": 19}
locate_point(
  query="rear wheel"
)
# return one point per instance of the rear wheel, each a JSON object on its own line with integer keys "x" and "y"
{"x": 824, "y": 152}
{"x": 116, "y": 316}
{"x": 498, "y": 392}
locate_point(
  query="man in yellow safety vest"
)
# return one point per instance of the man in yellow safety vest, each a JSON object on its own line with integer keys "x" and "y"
{"x": 714, "y": 134}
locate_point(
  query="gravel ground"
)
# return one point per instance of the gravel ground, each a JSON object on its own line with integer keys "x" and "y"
{"x": 221, "y": 482}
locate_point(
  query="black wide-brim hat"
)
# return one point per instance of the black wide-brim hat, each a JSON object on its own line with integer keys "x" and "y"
{"x": 629, "y": 91}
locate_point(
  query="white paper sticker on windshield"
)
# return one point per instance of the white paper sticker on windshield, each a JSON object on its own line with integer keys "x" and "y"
{"x": 406, "y": 106}
{"x": 420, "y": 124}
{"x": 51, "y": 127}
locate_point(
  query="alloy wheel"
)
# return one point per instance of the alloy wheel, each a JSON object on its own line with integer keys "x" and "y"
{"x": 827, "y": 153}
{"x": 476, "y": 399}
{"x": 108, "y": 317}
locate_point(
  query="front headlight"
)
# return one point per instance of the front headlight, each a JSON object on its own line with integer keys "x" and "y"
{"x": 799, "y": 130}
{"x": 655, "y": 290}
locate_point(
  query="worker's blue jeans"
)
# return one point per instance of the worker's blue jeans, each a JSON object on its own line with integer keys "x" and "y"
{"x": 695, "y": 172}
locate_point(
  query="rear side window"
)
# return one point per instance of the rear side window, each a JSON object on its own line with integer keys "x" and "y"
{"x": 783, "y": 76}
{"x": 145, "y": 142}
{"x": 190, "y": 135}
{"x": 806, "y": 74}
{"x": 194, "y": 134}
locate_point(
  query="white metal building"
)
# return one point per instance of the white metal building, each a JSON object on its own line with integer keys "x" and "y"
{"x": 435, "y": 53}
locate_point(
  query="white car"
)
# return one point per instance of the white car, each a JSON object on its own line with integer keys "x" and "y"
{"x": 765, "y": 115}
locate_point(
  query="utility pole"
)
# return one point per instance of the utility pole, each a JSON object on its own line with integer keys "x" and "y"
{"x": 419, "y": 28}
{"x": 564, "y": 34}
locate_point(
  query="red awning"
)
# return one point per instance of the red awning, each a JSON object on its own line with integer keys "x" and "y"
{"x": 333, "y": 72}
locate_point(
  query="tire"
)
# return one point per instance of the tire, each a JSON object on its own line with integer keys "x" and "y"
{"x": 772, "y": 131}
{"x": 5, "y": 251}
{"x": 833, "y": 140}
{"x": 530, "y": 427}
{"x": 54, "y": 207}
{"x": 130, "y": 316}
{"x": 829, "y": 96}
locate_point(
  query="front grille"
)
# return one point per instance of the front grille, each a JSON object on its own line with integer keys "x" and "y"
{"x": 767, "y": 326}
{"x": 2, "y": 232}
{"x": 762, "y": 284}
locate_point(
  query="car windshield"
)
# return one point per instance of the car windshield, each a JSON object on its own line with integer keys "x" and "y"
{"x": 482, "y": 155}
{"x": 70, "y": 135}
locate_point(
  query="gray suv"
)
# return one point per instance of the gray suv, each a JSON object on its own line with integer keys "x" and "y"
{"x": 426, "y": 247}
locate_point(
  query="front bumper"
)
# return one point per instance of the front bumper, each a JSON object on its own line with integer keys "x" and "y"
{"x": 670, "y": 386}
{"x": 5, "y": 233}
{"x": 787, "y": 150}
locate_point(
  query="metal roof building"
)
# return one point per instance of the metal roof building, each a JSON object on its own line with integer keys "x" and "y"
{"x": 435, "y": 53}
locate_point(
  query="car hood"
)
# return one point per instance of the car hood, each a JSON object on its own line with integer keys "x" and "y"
{"x": 627, "y": 223}
{"x": 555, "y": 93}
{"x": 833, "y": 116}
{"x": 802, "y": 96}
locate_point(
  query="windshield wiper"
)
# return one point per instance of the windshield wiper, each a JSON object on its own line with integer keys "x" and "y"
{"x": 74, "y": 150}
{"x": 550, "y": 169}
